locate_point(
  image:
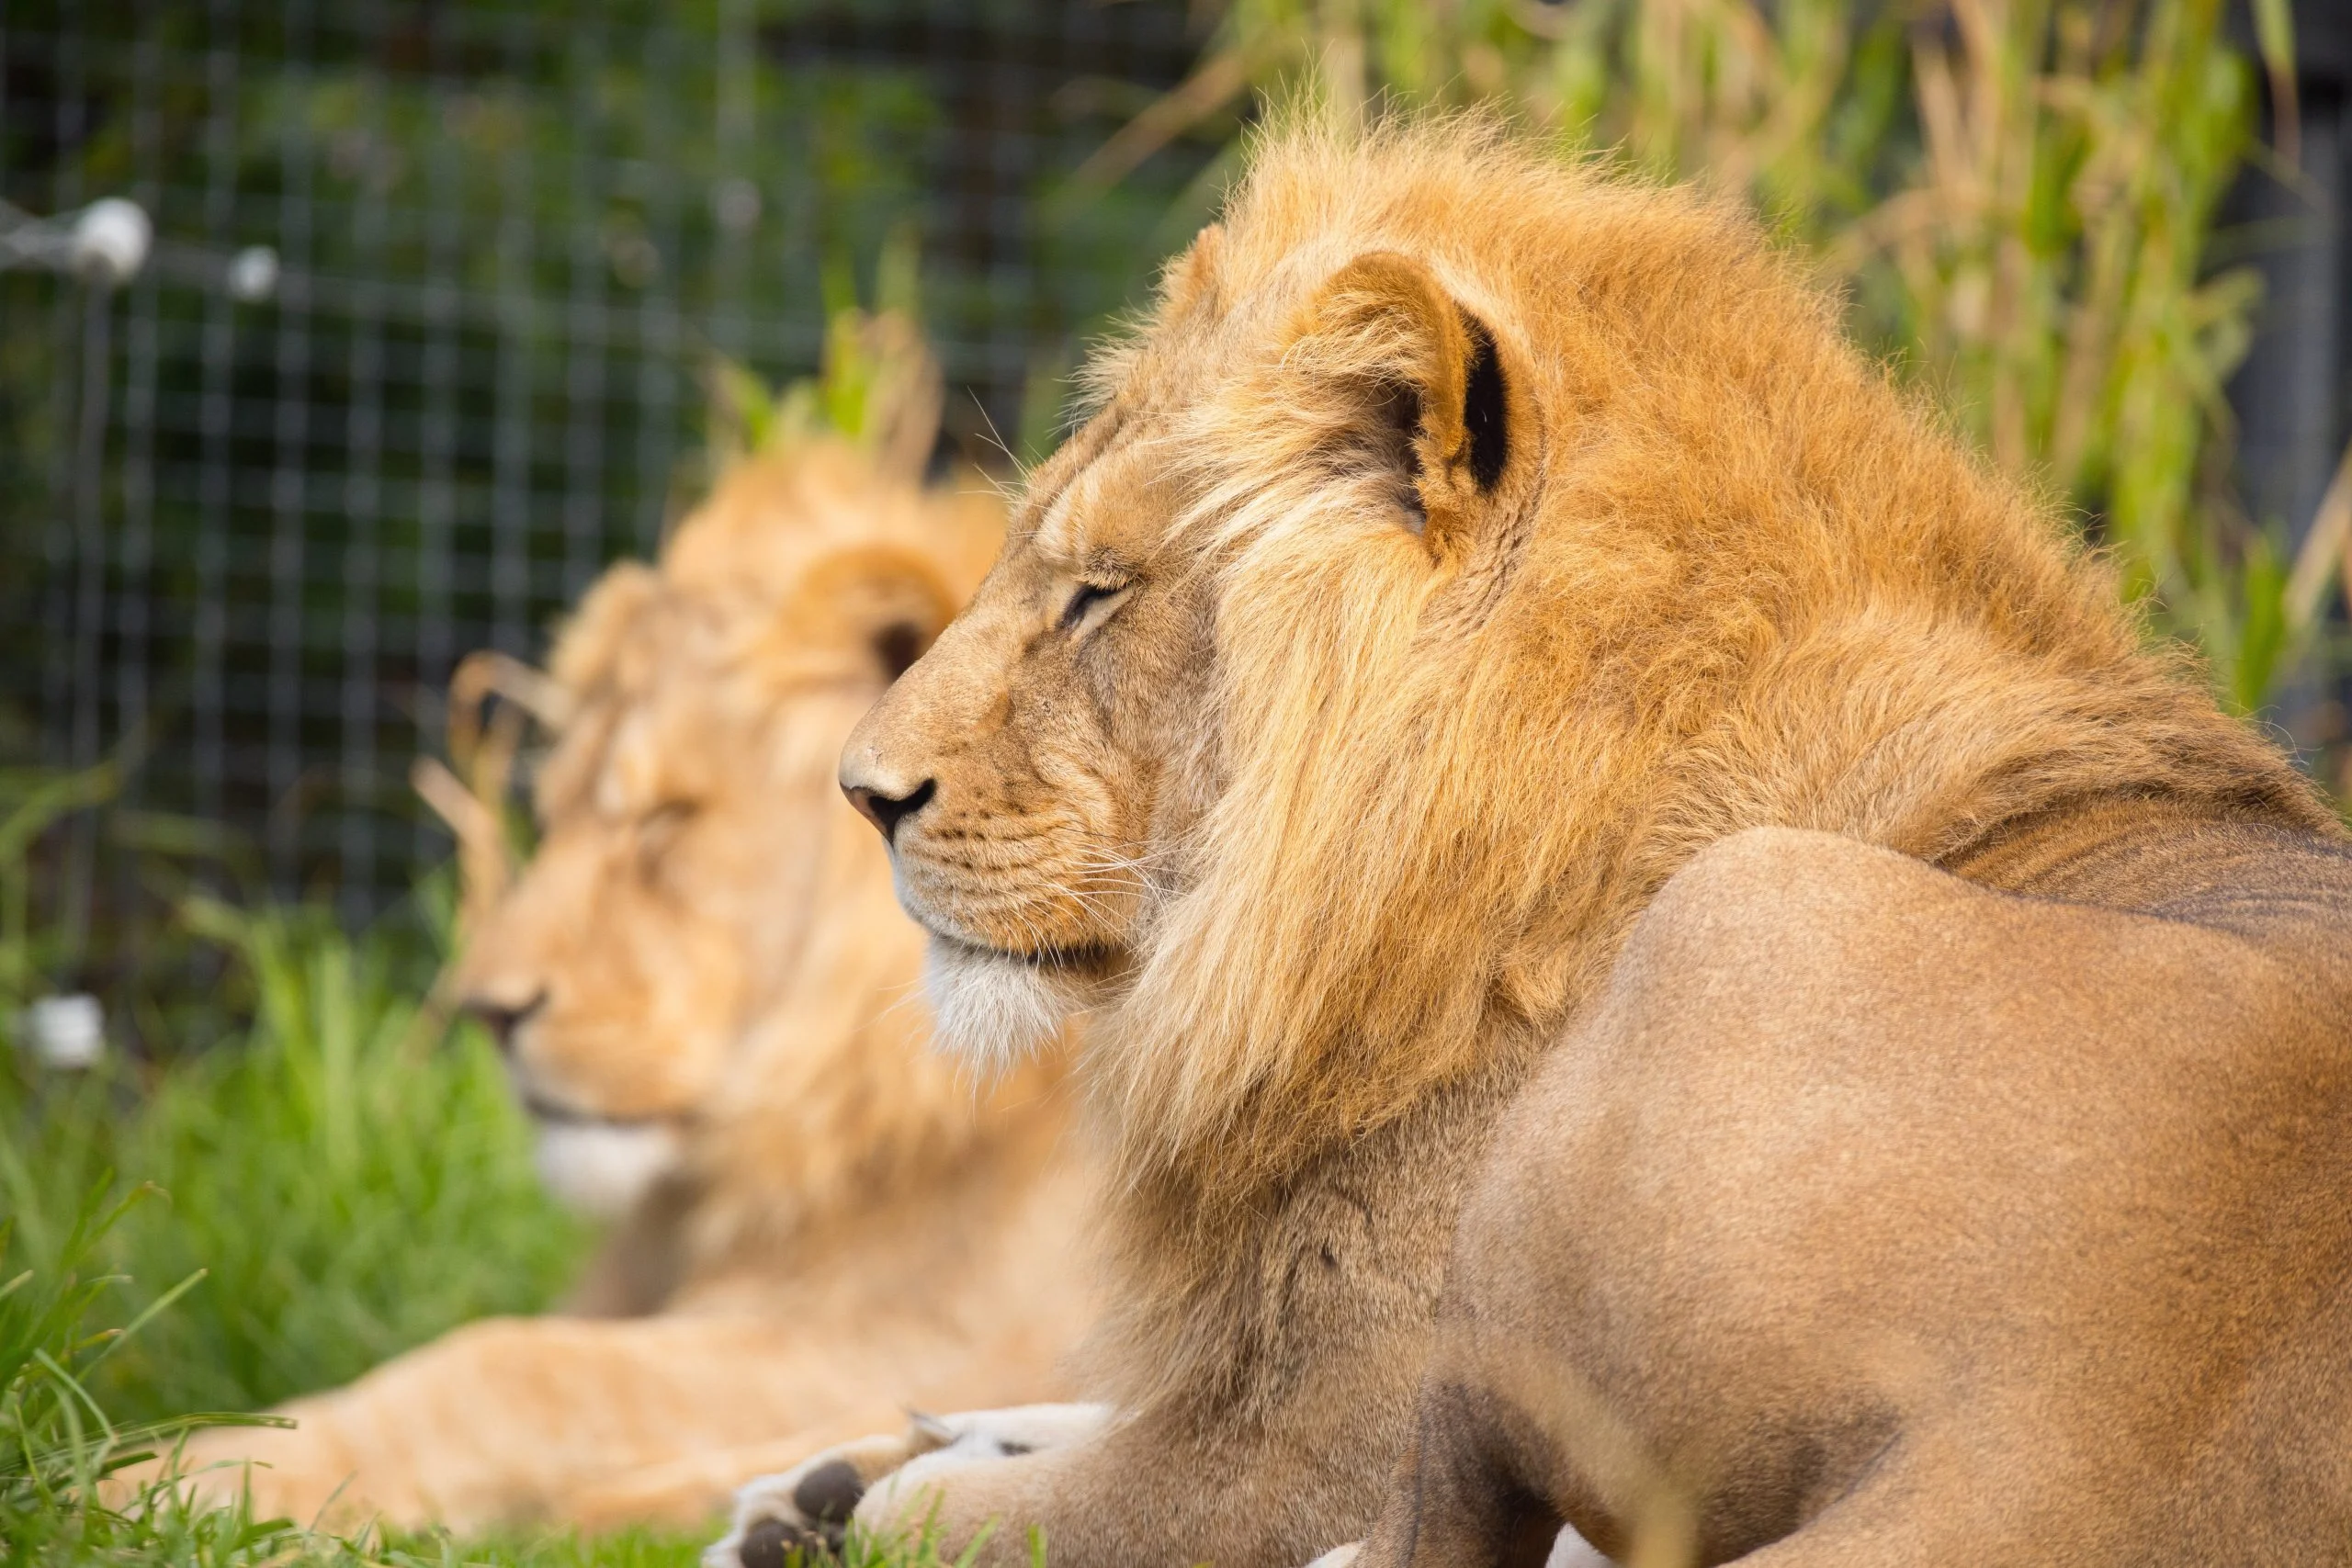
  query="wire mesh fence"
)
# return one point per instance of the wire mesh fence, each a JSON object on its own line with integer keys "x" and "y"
{"x": 422, "y": 335}
{"x": 423, "y": 340}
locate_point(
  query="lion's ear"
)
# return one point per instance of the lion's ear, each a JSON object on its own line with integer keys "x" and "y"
{"x": 1420, "y": 379}
{"x": 882, "y": 606}
{"x": 1190, "y": 278}
{"x": 595, "y": 642}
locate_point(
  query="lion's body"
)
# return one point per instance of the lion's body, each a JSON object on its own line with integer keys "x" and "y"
{"x": 707, "y": 993}
{"x": 1467, "y": 546}
{"x": 1874, "y": 1216}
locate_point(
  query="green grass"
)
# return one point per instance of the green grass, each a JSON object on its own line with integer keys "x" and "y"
{"x": 272, "y": 1214}
{"x": 185, "y": 1242}
{"x": 59, "y": 1446}
{"x": 339, "y": 1183}
{"x": 58, "y": 1443}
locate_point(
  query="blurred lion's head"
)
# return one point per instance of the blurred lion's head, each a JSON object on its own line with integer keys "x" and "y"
{"x": 703, "y": 985}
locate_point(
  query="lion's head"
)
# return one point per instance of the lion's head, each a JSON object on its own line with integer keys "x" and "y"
{"x": 1466, "y": 538}
{"x": 700, "y": 978}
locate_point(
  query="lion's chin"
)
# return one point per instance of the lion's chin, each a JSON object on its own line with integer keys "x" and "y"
{"x": 993, "y": 1008}
{"x": 603, "y": 1169}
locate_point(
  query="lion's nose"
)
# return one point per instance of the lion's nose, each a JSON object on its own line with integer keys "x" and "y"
{"x": 502, "y": 1019}
{"x": 886, "y": 811}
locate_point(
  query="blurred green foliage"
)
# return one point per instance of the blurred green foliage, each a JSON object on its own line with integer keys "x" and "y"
{"x": 32, "y": 801}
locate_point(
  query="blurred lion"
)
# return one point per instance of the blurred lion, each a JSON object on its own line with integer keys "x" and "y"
{"x": 707, "y": 996}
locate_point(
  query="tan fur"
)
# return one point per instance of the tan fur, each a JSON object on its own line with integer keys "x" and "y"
{"x": 1877, "y": 1214}
{"x": 705, "y": 952}
{"x": 1328, "y": 747}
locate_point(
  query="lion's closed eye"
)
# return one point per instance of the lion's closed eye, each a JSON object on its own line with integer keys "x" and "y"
{"x": 658, "y": 831}
{"x": 1092, "y": 604}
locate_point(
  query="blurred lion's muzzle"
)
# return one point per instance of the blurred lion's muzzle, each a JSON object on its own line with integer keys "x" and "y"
{"x": 599, "y": 1168}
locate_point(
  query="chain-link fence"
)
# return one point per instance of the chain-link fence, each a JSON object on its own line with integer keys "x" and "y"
{"x": 424, "y": 337}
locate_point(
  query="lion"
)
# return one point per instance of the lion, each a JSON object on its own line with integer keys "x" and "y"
{"x": 708, "y": 1001}
{"x": 1498, "y": 658}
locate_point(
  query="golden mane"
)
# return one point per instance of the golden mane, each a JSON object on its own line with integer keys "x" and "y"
{"x": 1754, "y": 583}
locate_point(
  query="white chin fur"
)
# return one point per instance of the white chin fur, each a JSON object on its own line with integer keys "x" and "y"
{"x": 994, "y": 1011}
{"x": 601, "y": 1169}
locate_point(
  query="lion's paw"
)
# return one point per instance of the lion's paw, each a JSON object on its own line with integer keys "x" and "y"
{"x": 807, "y": 1508}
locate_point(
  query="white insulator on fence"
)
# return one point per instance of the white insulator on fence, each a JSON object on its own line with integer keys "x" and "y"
{"x": 67, "y": 1033}
{"x": 110, "y": 240}
{"x": 253, "y": 274}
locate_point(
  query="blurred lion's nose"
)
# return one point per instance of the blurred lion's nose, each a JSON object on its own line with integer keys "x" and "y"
{"x": 886, "y": 811}
{"x": 502, "y": 1019}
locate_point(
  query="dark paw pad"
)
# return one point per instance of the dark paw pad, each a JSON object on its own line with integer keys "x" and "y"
{"x": 778, "y": 1543}
{"x": 829, "y": 1494}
